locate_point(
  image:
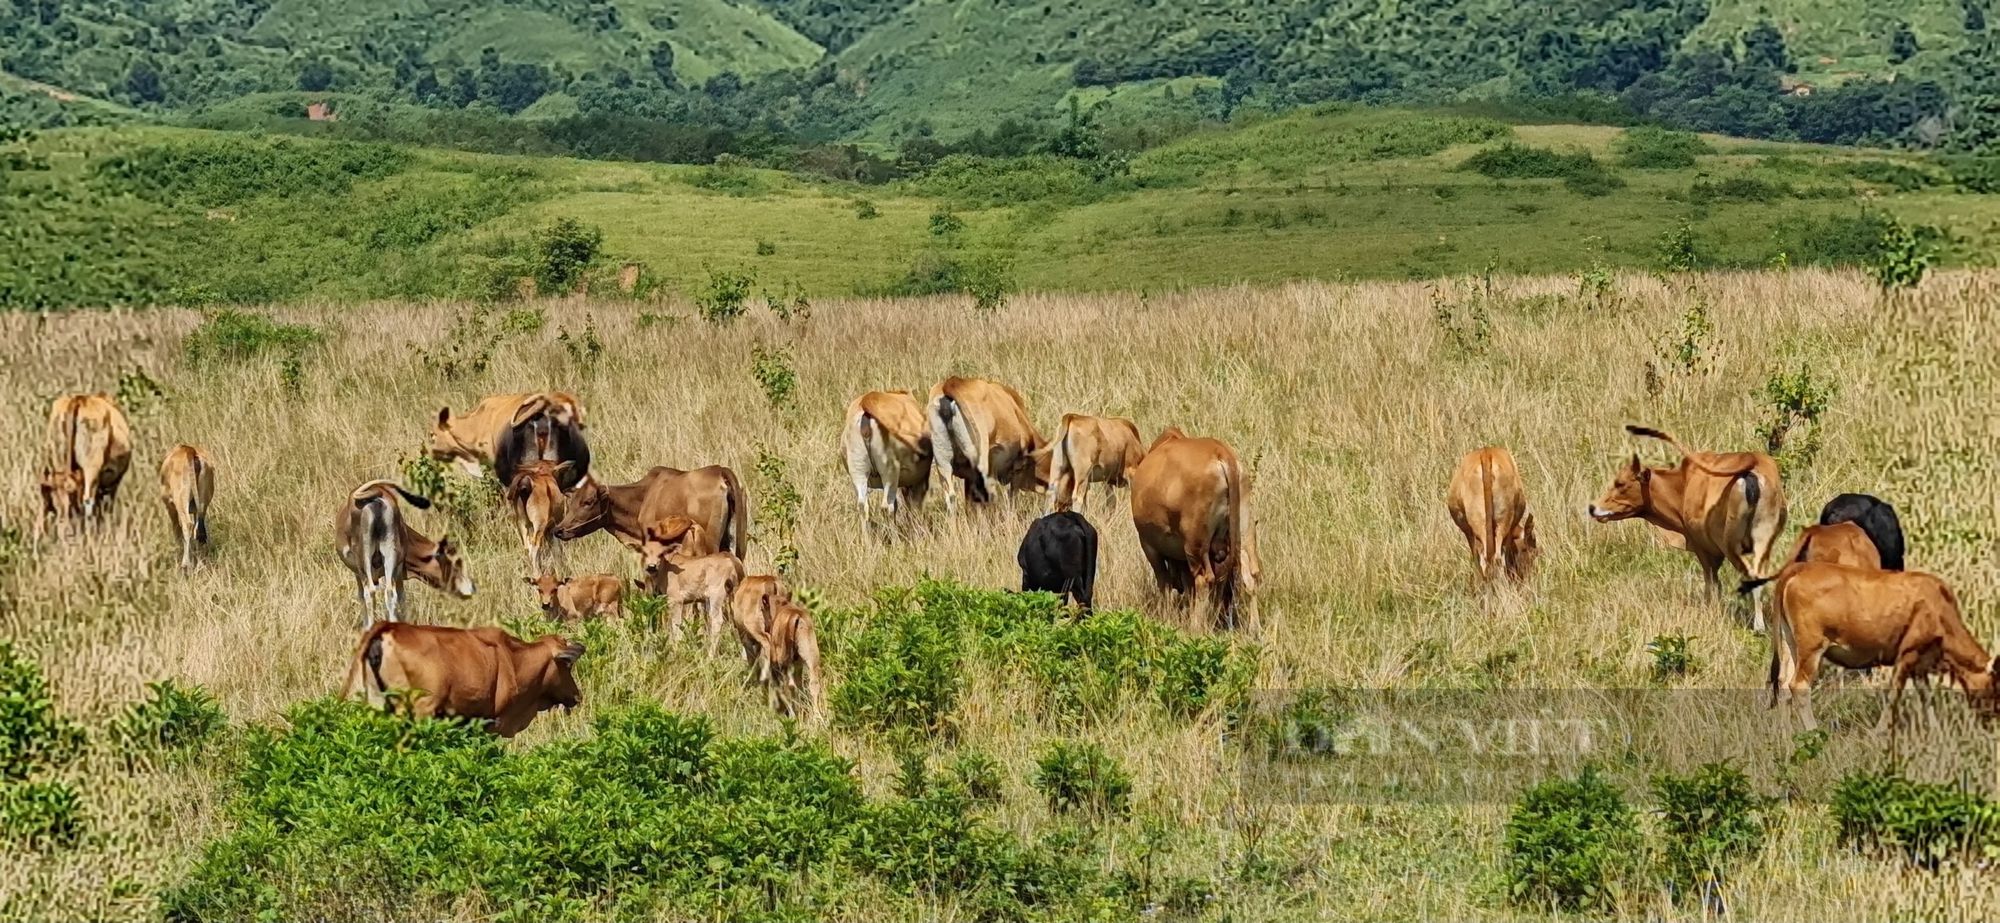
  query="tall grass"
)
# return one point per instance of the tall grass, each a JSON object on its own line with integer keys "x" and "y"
{"x": 1344, "y": 401}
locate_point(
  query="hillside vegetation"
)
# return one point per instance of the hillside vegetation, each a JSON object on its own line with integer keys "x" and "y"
{"x": 136, "y": 216}
{"x": 987, "y": 757}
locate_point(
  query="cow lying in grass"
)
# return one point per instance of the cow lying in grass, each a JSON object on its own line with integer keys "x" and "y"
{"x": 579, "y": 597}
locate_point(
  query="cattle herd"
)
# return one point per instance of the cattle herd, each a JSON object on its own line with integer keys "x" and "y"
{"x": 1842, "y": 594}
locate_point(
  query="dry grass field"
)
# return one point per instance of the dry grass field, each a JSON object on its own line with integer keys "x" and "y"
{"x": 1348, "y": 403}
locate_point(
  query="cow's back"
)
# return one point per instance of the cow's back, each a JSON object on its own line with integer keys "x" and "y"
{"x": 898, "y": 414}
{"x": 704, "y": 495}
{"x": 1717, "y": 511}
{"x": 1178, "y": 490}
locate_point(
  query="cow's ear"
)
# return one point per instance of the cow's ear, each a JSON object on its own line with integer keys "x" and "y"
{"x": 444, "y": 416}
{"x": 569, "y": 653}
{"x": 565, "y": 466}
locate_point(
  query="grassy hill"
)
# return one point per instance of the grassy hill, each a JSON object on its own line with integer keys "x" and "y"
{"x": 143, "y": 215}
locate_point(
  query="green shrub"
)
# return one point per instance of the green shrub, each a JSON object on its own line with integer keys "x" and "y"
{"x": 1797, "y": 397}
{"x": 1900, "y": 176}
{"x": 722, "y": 299}
{"x": 1927, "y": 823}
{"x": 1903, "y": 259}
{"x": 237, "y": 336}
{"x": 730, "y": 174}
{"x": 39, "y": 815}
{"x": 978, "y": 775}
{"x": 1651, "y": 148}
{"x": 865, "y": 210}
{"x": 772, "y": 368}
{"x": 524, "y": 321}
{"x": 34, "y": 737}
{"x": 562, "y": 252}
{"x": 584, "y": 346}
{"x": 1737, "y": 189}
{"x": 1570, "y": 843}
{"x": 1077, "y": 776}
{"x": 233, "y": 169}
{"x": 1977, "y": 175}
{"x": 1672, "y": 656}
{"x": 904, "y": 669}
{"x": 1196, "y": 673}
{"x": 1710, "y": 819}
{"x": 1520, "y": 161}
{"x": 173, "y": 721}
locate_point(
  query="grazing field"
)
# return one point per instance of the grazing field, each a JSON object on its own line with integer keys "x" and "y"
{"x": 1350, "y": 403}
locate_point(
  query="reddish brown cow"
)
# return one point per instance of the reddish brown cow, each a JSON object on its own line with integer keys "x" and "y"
{"x": 1191, "y": 506}
{"x": 484, "y": 674}
{"x": 689, "y": 579}
{"x": 536, "y": 499}
{"x": 1087, "y": 449}
{"x": 711, "y": 497}
{"x": 579, "y": 597}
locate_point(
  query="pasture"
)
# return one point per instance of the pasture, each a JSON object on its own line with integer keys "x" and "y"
{"x": 1349, "y": 404}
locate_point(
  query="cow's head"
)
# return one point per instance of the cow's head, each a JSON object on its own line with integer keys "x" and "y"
{"x": 546, "y": 587}
{"x": 559, "y": 679}
{"x": 446, "y": 446}
{"x": 664, "y": 544}
{"x": 1626, "y": 497}
{"x": 586, "y": 510}
{"x": 62, "y": 492}
{"x": 445, "y": 568}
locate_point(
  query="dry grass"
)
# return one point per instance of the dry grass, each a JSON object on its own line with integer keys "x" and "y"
{"x": 1344, "y": 400}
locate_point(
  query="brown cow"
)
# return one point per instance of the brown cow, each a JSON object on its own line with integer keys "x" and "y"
{"x": 1087, "y": 449}
{"x": 382, "y": 549}
{"x": 87, "y": 451}
{"x": 471, "y": 440}
{"x": 981, "y": 434}
{"x": 791, "y": 661}
{"x": 887, "y": 444}
{"x": 1841, "y": 543}
{"x": 1860, "y": 619}
{"x": 569, "y": 599}
{"x": 1191, "y": 506}
{"x": 1728, "y": 506}
{"x": 690, "y": 579}
{"x": 484, "y": 674}
{"x": 187, "y": 483}
{"x": 1489, "y": 505}
{"x": 536, "y": 499}
{"x": 750, "y": 611}
{"x": 712, "y": 497}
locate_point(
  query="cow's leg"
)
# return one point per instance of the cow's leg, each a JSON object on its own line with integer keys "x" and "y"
{"x": 716, "y": 609}
{"x": 1802, "y": 680}
{"x": 1742, "y": 565}
{"x": 364, "y": 593}
{"x": 943, "y": 453}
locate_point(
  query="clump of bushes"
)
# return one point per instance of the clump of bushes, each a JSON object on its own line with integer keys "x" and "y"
{"x": 1899, "y": 176}
{"x": 1649, "y": 147}
{"x": 1927, "y": 823}
{"x": 1580, "y": 172}
{"x": 1078, "y": 776}
{"x": 225, "y": 171}
{"x": 173, "y": 722}
{"x": 35, "y": 740}
{"x": 722, "y": 299}
{"x": 562, "y": 252}
{"x": 1737, "y": 189}
{"x": 237, "y": 336}
{"x": 1711, "y": 820}
{"x": 1571, "y": 842}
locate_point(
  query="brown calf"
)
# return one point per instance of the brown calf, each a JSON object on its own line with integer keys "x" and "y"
{"x": 688, "y": 579}
{"x": 1086, "y": 449}
{"x": 484, "y": 674}
{"x": 536, "y": 499}
{"x": 382, "y": 549}
{"x": 791, "y": 662}
{"x": 1487, "y": 502}
{"x": 1191, "y": 506}
{"x": 750, "y": 611}
{"x": 187, "y": 483}
{"x": 579, "y": 597}
{"x": 1727, "y": 506}
{"x": 471, "y": 440}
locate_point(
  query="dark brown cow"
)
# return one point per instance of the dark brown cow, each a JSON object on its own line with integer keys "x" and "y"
{"x": 484, "y": 674}
{"x": 1191, "y": 506}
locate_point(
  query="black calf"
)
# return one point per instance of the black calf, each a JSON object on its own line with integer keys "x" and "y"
{"x": 1060, "y": 556}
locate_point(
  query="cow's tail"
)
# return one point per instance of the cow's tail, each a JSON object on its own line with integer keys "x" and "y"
{"x": 367, "y": 492}
{"x": 367, "y": 665}
{"x": 735, "y": 518}
{"x": 964, "y": 440}
{"x": 1062, "y": 465}
{"x": 1232, "y": 476}
{"x": 194, "y": 483}
{"x": 61, "y": 439}
{"x": 1490, "y": 504}
{"x": 1692, "y": 457}
{"x": 875, "y": 441}
{"x": 1783, "y": 646}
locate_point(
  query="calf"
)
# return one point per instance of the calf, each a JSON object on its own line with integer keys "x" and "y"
{"x": 482, "y": 674}
{"x": 1861, "y": 619}
{"x": 712, "y": 497}
{"x": 981, "y": 434}
{"x": 792, "y": 666}
{"x": 1876, "y": 518}
{"x": 1191, "y": 507}
{"x": 544, "y": 428}
{"x": 687, "y": 579}
{"x": 1487, "y": 502}
{"x": 382, "y": 550}
{"x": 87, "y": 450}
{"x": 187, "y": 483}
{"x": 1059, "y": 555}
{"x": 1727, "y": 506}
{"x": 536, "y": 499}
{"x": 750, "y": 611}
{"x": 579, "y": 597}
{"x": 1086, "y": 449}
{"x": 887, "y": 446}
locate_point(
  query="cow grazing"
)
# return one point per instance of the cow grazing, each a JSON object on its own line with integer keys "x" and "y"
{"x": 382, "y": 549}
{"x": 87, "y": 451}
{"x": 472, "y": 440}
{"x": 1861, "y": 619}
{"x": 688, "y": 579}
{"x": 1489, "y": 505}
{"x": 791, "y": 661}
{"x": 569, "y": 599}
{"x": 187, "y": 484}
{"x": 545, "y": 428}
{"x": 750, "y": 611}
{"x": 1875, "y": 517}
{"x": 1059, "y": 555}
{"x": 887, "y": 445}
{"x": 981, "y": 434}
{"x": 1087, "y": 449}
{"x": 536, "y": 499}
{"x": 481, "y": 674}
{"x": 1191, "y": 506}
{"x": 712, "y": 497}
{"x": 1727, "y": 506}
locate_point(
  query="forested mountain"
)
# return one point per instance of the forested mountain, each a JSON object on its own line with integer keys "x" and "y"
{"x": 1823, "y": 70}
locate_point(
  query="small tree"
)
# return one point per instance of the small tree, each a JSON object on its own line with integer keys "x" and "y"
{"x": 563, "y": 251}
{"x": 1902, "y": 260}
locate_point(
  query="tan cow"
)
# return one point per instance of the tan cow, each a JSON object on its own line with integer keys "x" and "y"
{"x": 1841, "y": 543}
{"x": 536, "y": 499}
{"x": 470, "y": 440}
{"x": 569, "y": 599}
{"x": 1490, "y": 506}
{"x": 1727, "y": 506}
{"x": 887, "y": 445}
{"x": 382, "y": 549}
{"x": 1191, "y": 506}
{"x": 981, "y": 434}
{"x": 792, "y": 664}
{"x": 750, "y": 611}
{"x": 482, "y": 674}
{"x": 87, "y": 451}
{"x": 187, "y": 484}
{"x": 1087, "y": 449}
{"x": 690, "y": 579}
{"x": 712, "y": 497}
{"x": 1860, "y": 619}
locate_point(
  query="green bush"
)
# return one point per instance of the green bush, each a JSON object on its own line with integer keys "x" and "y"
{"x": 722, "y": 299}
{"x": 1900, "y": 176}
{"x": 1925, "y": 822}
{"x": 236, "y": 336}
{"x": 1077, "y": 776}
{"x": 1570, "y": 843}
{"x": 173, "y": 720}
{"x": 1855, "y": 239}
{"x": 34, "y": 737}
{"x": 1711, "y": 820}
{"x": 1673, "y": 656}
{"x": 233, "y": 169}
{"x": 39, "y": 815}
{"x": 1520, "y": 161}
{"x": 1977, "y": 175}
{"x": 562, "y": 252}
{"x": 978, "y": 775}
{"x": 773, "y": 369}
{"x": 1737, "y": 189}
{"x": 1651, "y": 148}
{"x": 904, "y": 669}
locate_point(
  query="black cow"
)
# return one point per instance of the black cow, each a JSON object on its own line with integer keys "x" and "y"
{"x": 1060, "y": 556}
{"x": 543, "y": 431}
{"x": 1876, "y": 518}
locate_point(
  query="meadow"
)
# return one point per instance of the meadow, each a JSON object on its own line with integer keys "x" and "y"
{"x": 1349, "y": 403}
